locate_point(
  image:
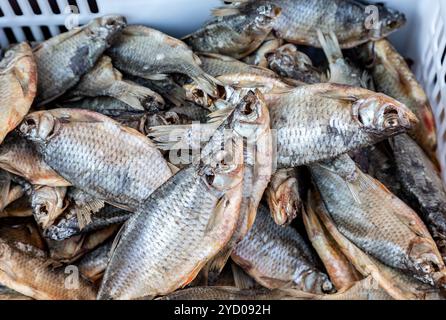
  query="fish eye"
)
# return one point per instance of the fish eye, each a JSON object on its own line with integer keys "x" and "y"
{"x": 248, "y": 108}
{"x": 392, "y": 24}
{"x": 42, "y": 209}
{"x": 210, "y": 177}
{"x": 391, "y": 118}
{"x": 198, "y": 93}
{"x": 30, "y": 122}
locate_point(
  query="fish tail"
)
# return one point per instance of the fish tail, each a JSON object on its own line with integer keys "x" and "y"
{"x": 330, "y": 45}
{"x": 135, "y": 95}
{"x": 207, "y": 83}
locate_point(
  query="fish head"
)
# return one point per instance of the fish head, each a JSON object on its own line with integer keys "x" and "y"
{"x": 384, "y": 116}
{"x": 197, "y": 95}
{"x": 253, "y": 116}
{"x": 106, "y": 27}
{"x": 285, "y": 202}
{"x": 48, "y": 203}
{"x": 265, "y": 15}
{"x": 222, "y": 170}
{"x": 390, "y": 20}
{"x": 39, "y": 126}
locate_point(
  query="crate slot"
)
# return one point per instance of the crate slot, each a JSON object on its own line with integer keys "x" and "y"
{"x": 10, "y": 35}
{"x": 54, "y": 6}
{"x": 35, "y": 7}
{"x": 28, "y": 34}
{"x": 46, "y": 32}
{"x": 93, "y": 5}
{"x": 15, "y": 7}
{"x": 1, "y": 13}
{"x": 62, "y": 29}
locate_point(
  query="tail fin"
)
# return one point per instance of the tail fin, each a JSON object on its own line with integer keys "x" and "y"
{"x": 330, "y": 45}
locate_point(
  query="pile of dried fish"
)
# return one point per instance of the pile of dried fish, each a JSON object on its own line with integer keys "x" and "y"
{"x": 231, "y": 164}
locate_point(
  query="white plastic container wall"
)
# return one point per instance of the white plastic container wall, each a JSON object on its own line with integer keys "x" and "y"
{"x": 423, "y": 39}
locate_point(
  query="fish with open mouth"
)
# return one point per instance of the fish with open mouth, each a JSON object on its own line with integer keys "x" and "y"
{"x": 18, "y": 86}
{"x": 282, "y": 196}
{"x": 62, "y": 60}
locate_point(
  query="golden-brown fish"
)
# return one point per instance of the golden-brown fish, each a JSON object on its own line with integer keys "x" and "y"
{"x": 18, "y": 86}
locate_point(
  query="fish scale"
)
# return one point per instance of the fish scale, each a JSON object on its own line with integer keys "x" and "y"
{"x": 63, "y": 59}
{"x": 312, "y": 125}
{"x": 378, "y": 222}
{"x": 276, "y": 256}
{"x": 101, "y": 157}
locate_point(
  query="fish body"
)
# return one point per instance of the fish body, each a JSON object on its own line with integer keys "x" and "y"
{"x": 105, "y": 80}
{"x": 421, "y": 186}
{"x": 69, "y": 225}
{"x": 377, "y": 222}
{"x": 299, "y": 20}
{"x": 278, "y": 257}
{"x": 93, "y": 264}
{"x": 20, "y": 157}
{"x": 327, "y": 123}
{"x": 98, "y": 155}
{"x": 235, "y": 35}
{"x": 289, "y": 62}
{"x": 148, "y": 53}
{"x": 223, "y": 293}
{"x": 18, "y": 86}
{"x": 31, "y": 276}
{"x": 183, "y": 224}
{"x": 393, "y": 77}
{"x": 63, "y": 59}
{"x": 216, "y": 65}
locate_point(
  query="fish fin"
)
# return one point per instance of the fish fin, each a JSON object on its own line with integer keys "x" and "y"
{"x": 193, "y": 274}
{"x": 330, "y": 45}
{"x": 363, "y": 183}
{"x": 174, "y": 137}
{"x": 116, "y": 240}
{"x": 216, "y": 56}
{"x": 220, "y": 115}
{"x": 156, "y": 77}
{"x": 172, "y": 167}
{"x": 134, "y": 95}
{"x": 241, "y": 278}
{"x": 217, "y": 263}
{"x": 273, "y": 283}
{"x": 83, "y": 217}
{"x": 293, "y": 82}
{"x": 207, "y": 83}
{"x": 225, "y": 11}
{"x": 217, "y": 214}
{"x": 5, "y": 186}
{"x": 170, "y": 137}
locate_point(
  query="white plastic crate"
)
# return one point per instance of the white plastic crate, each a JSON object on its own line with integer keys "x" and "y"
{"x": 423, "y": 39}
